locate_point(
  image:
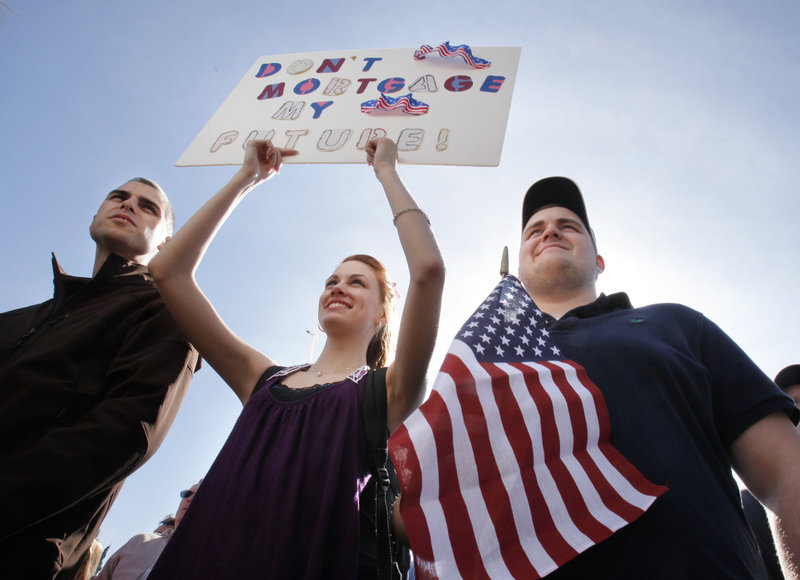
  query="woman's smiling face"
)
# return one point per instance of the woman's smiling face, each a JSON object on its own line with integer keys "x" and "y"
{"x": 351, "y": 297}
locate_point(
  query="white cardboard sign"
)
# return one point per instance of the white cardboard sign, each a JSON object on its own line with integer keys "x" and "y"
{"x": 316, "y": 103}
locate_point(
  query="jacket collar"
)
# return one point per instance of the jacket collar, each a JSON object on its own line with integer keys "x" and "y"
{"x": 603, "y": 304}
{"x": 114, "y": 269}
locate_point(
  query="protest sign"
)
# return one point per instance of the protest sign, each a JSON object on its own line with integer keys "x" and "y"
{"x": 443, "y": 105}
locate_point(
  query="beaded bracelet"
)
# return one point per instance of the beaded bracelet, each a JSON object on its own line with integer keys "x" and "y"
{"x": 400, "y": 212}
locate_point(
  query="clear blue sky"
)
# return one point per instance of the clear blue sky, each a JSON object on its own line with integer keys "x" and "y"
{"x": 678, "y": 119}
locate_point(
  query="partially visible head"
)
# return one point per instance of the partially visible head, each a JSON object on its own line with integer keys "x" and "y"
{"x": 789, "y": 380}
{"x": 186, "y": 500}
{"x": 166, "y": 525}
{"x": 558, "y": 253}
{"x": 378, "y": 317}
{"x": 133, "y": 220}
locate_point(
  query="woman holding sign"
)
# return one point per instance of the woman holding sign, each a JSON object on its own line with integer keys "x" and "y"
{"x": 281, "y": 499}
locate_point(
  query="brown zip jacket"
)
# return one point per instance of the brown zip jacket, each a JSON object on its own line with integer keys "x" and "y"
{"x": 90, "y": 382}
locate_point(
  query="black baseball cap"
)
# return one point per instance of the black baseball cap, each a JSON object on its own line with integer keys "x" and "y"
{"x": 788, "y": 377}
{"x": 558, "y": 191}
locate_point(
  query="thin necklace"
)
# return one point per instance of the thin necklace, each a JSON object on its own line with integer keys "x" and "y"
{"x": 320, "y": 373}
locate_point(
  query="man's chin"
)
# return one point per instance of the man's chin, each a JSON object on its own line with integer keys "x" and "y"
{"x": 554, "y": 275}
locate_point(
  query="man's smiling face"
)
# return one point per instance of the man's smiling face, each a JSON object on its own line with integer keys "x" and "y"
{"x": 557, "y": 251}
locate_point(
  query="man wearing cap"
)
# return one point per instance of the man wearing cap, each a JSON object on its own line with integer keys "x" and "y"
{"x": 90, "y": 382}
{"x": 788, "y": 380}
{"x": 685, "y": 405}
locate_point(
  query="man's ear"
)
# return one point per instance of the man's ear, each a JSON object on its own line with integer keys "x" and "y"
{"x": 164, "y": 243}
{"x": 601, "y": 264}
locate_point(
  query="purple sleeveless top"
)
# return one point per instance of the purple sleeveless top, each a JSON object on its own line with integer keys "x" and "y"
{"x": 281, "y": 499}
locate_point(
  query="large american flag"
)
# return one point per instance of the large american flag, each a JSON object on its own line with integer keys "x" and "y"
{"x": 507, "y": 470}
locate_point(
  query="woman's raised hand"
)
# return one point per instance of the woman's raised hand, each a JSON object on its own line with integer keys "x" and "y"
{"x": 262, "y": 160}
{"x": 381, "y": 154}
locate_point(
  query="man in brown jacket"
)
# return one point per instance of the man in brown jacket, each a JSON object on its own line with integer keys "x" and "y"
{"x": 90, "y": 382}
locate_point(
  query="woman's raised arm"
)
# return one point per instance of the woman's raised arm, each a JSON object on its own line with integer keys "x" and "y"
{"x": 173, "y": 269}
{"x": 405, "y": 378}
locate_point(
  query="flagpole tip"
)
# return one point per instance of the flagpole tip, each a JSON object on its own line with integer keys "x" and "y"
{"x": 504, "y": 262}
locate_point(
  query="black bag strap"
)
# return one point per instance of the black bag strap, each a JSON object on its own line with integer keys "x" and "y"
{"x": 374, "y": 414}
